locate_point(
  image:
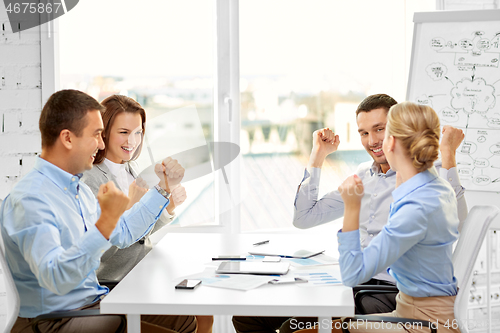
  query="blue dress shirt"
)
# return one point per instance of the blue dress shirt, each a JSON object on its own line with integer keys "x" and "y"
{"x": 51, "y": 242}
{"x": 416, "y": 243}
{"x": 375, "y": 205}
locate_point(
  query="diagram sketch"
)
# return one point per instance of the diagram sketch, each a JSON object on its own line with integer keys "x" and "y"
{"x": 456, "y": 71}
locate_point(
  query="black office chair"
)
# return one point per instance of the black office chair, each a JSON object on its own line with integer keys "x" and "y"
{"x": 74, "y": 314}
{"x": 363, "y": 290}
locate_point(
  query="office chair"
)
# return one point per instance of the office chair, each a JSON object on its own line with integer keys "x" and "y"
{"x": 13, "y": 302}
{"x": 11, "y": 297}
{"x": 464, "y": 257}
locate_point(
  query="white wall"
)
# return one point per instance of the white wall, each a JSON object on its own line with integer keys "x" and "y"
{"x": 20, "y": 101}
{"x": 471, "y": 4}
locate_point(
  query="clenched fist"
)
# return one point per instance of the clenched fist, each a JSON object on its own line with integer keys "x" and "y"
{"x": 113, "y": 203}
{"x": 136, "y": 191}
{"x": 325, "y": 142}
{"x": 170, "y": 173}
{"x": 352, "y": 190}
{"x": 450, "y": 141}
{"x": 452, "y": 137}
{"x": 177, "y": 198}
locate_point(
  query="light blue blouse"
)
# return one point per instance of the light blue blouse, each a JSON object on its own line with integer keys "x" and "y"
{"x": 416, "y": 243}
{"x": 375, "y": 205}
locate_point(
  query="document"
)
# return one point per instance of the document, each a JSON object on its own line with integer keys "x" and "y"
{"x": 319, "y": 260}
{"x": 317, "y": 277}
{"x": 236, "y": 281}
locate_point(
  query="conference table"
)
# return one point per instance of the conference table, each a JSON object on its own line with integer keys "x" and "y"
{"x": 150, "y": 287}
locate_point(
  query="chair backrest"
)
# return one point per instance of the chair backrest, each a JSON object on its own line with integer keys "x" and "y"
{"x": 469, "y": 243}
{"x": 9, "y": 298}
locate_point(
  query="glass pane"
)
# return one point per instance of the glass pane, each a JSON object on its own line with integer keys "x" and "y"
{"x": 159, "y": 52}
{"x": 306, "y": 65}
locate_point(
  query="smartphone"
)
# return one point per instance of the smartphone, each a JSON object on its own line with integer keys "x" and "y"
{"x": 288, "y": 280}
{"x": 188, "y": 284}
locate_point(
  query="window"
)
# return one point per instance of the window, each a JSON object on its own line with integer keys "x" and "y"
{"x": 261, "y": 74}
{"x": 306, "y": 65}
{"x": 161, "y": 54}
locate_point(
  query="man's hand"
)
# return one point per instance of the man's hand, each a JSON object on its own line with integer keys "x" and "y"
{"x": 450, "y": 141}
{"x": 170, "y": 173}
{"x": 136, "y": 191}
{"x": 177, "y": 198}
{"x": 352, "y": 191}
{"x": 325, "y": 142}
{"x": 113, "y": 203}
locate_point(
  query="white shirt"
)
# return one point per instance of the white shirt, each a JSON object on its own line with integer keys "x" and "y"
{"x": 123, "y": 177}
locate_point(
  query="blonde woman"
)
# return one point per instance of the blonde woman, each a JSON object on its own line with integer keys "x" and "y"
{"x": 416, "y": 244}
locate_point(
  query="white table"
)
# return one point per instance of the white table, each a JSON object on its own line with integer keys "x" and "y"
{"x": 149, "y": 287}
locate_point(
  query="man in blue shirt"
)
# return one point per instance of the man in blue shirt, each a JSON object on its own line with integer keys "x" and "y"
{"x": 55, "y": 231}
{"x": 379, "y": 183}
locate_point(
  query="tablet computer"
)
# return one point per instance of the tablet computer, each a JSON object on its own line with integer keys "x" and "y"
{"x": 261, "y": 268}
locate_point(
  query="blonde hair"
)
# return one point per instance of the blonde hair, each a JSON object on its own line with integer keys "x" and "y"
{"x": 417, "y": 127}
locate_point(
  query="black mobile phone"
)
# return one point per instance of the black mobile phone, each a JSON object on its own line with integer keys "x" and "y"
{"x": 188, "y": 284}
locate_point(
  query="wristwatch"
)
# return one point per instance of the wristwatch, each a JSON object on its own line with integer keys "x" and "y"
{"x": 162, "y": 191}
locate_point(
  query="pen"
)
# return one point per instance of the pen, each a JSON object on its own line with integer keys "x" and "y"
{"x": 229, "y": 259}
{"x": 261, "y": 243}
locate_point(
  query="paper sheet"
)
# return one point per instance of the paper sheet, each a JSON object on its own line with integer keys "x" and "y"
{"x": 236, "y": 281}
{"x": 329, "y": 277}
{"x": 319, "y": 260}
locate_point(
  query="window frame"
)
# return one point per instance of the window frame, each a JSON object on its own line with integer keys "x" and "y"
{"x": 227, "y": 122}
{"x": 226, "y": 105}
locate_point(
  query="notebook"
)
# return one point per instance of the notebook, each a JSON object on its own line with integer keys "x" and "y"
{"x": 261, "y": 268}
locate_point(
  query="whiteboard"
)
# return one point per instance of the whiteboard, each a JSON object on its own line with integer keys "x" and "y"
{"x": 455, "y": 69}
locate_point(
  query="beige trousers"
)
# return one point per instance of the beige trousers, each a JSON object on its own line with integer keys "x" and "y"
{"x": 438, "y": 310}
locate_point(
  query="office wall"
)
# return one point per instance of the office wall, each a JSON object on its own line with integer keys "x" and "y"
{"x": 20, "y": 101}
{"x": 470, "y": 4}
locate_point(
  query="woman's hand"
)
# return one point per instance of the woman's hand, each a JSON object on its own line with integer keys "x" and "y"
{"x": 136, "y": 191}
{"x": 170, "y": 173}
{"x": 352, "y": 191}
{"x": 177, "y": 198}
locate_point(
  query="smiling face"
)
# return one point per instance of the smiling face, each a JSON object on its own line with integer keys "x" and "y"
{"x": 124, "y": 137}
{"x": 387, "y": 148}
{"x": 87, "y": 144}
{"x": 371, "y": 128}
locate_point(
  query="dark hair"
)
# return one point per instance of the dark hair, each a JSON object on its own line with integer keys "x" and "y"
{"x": 65, "y": 109}
{"x": 114, "y": 105}
{"x": 376, "y": 102}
